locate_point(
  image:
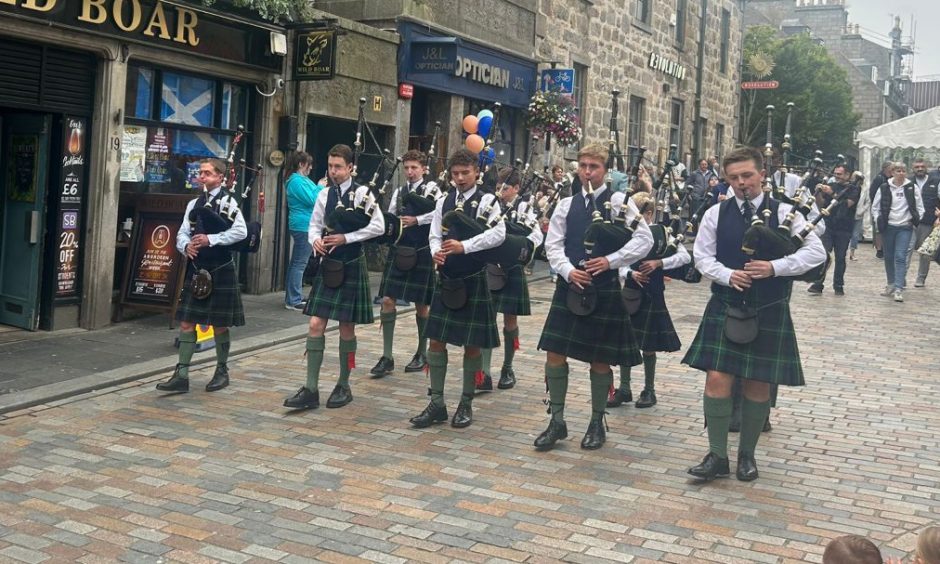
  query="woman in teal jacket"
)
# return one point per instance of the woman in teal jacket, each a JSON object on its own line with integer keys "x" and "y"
{"x": 301, "y": 196}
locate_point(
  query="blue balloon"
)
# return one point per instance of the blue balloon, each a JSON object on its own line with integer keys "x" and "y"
{"x": 489, "y": 156}
{"x": 484, "y": 113}
{"x": 484, "y": 126}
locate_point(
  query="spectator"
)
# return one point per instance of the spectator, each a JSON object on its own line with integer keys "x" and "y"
{"x": 876, "y": 183}
{"x": 861, "y": 210}
{"x": 301, "y": 197}
{"x": 898, "y": 208}
{"x": 851, "y": 549}
{"x": 927, "y": 187}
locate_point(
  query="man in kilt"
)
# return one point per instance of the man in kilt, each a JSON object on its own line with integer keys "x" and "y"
{"x": 207, "y": 251}
{"x": 508, "y": 284}
{"x": 340, "y": 289}
{"x": 409, "y": 268}
{"x": 651, "y": 321}
{"x": 461, "y": 310}
{"x": 600, "y": 333}
{"x": 728, "y": 345}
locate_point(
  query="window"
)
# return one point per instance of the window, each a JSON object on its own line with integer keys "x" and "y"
{"x": 580, "y": 90}
{"x": 701, "y": 141}
{"x": 642, "y": 11}
{"x": 675, "y": 125}
{"x": 681, "y": 8}
{"x": 723, "y": 49}
{"x": 719, "y": 140}
{"x": 637, "y": 111}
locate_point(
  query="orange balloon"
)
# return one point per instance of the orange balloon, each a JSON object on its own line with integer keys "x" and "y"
{"x": 470, "y": 123}
{"x": 475, "y": 143}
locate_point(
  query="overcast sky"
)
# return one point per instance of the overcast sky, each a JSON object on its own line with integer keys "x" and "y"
{"x": 877, "y": 17}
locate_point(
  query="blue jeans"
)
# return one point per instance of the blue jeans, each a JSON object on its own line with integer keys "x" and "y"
{"x": 857, "y": 233}
{"x": 896, "y": 240}
{"x": 299, "y": 255}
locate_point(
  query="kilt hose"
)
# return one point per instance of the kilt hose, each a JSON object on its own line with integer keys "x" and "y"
{"x": 772, "y": 357}
{"x": 604, "y": 336}
{"x": 472, "y": 325}
{"x": 652, "y": 323}
{"x": 415, "y": 285}
{"x": 351, "y": 302}
{"x": 223, "y": 307}
{"x": 514, "y": 296}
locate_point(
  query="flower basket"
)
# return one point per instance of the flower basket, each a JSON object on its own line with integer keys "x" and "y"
{"x": 553, "y": 113}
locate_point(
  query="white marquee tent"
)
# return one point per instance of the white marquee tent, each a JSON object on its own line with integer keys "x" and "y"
{"x": 911, "y": 137}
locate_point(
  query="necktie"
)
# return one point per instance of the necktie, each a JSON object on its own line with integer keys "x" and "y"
{"x": 747, "y": 210}
{"x": 459, "y": 199}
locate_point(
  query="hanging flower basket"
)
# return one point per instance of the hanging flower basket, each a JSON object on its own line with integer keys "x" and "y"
{"x": 554, "y": 113}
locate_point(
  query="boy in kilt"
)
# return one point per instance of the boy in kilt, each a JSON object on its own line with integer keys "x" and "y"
{"x": 414, "y": 283}
{"x": 601, "y": 335}
{"x": 771, "y": 355}
{"x": 651, "y": 322}
{"x": 512, "y": 297}
{"x": 340, "y": 289}
{"x": 207, "y": 251}
{"x": 461, "y": 310}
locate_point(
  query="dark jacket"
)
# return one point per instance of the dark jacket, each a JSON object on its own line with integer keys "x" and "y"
{"x": 929, "y": 195}
{"x": 842, "y": 217}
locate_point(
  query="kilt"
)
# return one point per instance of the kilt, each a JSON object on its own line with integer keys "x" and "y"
{"x": 773, "y": 357}
{"x": 351, "y": 302}
{"x": 223, "y": 307}
{"x": 472, "y": 325}
{"x": 604, "y": 336}
{"x": 416, "y": 285}
{"x": 514, "y": 297}
{"x": 653, "y": 326}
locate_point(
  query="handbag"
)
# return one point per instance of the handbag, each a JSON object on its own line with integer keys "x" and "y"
{"x": 741, "y": 325}
{"x": 201, "y": 284}
{"x": 406, "y": 258}
{"x": 334, "y": 272}
{"x": 632, "y": 298}
{"x": 581, "y": 301}
{"x": 453, "y": 293}
{"x": 496, "y": 277}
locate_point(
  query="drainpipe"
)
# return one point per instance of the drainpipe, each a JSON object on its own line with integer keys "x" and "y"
{"x": 699, "y": 77}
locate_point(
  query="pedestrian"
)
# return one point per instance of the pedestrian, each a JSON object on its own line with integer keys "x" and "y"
{"x": 851, "y": 549}
{"x": 897, "y": 207}
{"x": 862, "y": 209}
{"x": 876, "y": 183}
{"x": 461, "y": 310}
{"x": 340, "y": 289}
{"x": 409, "y": 270}
{"x": 301, "y": 197}
{"x": 840, "y": 223}
{"x": 927, "y": 186}
{"x": 211, "y": 295}
{"x": 596, "y": 328}
{"x": 733, "y": 341}
{"x": 698, "y": 182}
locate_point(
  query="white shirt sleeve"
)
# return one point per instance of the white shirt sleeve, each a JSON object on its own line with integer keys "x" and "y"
{"x": 809, "y": 255}
{"x": 376, "y": 224}
{"x": 237, "y": 232}
{"x": 318, "y": 217}
{"x": 536, "y": 236}
{"x": 639, "y": 244}
{"x": 681, "y": 258}
{"x": 435, "y": 237}
{"x": 393, "y": 202}
{"x": 492, "y": 237}
{"x": 555, "y": 240}
{"x": 425, "y": 219}
{"x": 182, "y": 235}
{"x": 919, "y": 202}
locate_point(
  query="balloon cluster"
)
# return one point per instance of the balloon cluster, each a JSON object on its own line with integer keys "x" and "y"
{"x": 478, "y": 127}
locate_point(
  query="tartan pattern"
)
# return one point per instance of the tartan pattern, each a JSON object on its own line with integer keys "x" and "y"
{"x": 351, "y": 302}
{"x": 604, "y": 336}
{"x": 473, "y": 325}
{"x": 416, "y": 285}
{"x": 773, "y": 357}
{"x": 223, "y": 307}
{"x": 652, "y": 323}
{"x": 514, "y": 297}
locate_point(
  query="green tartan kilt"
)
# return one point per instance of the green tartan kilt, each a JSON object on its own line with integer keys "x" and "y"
{"x": 474, "y": 324}
{"x": 351, "y": 302}
{"x": 773, "y": 357}
{"x": 416, "y": 285}
{"x": 604, "y": 336}
{"x": 514, "y": 297}
{"x": 223, "y": 307}
{"x": 653, "y": 326}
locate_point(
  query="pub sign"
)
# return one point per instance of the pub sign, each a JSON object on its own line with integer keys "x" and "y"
{"x": 315, "y": 57}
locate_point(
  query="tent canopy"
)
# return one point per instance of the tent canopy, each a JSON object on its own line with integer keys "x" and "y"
{"x": 920, "y": 130}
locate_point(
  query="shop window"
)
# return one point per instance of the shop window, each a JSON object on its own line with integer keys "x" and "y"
{"x": 675, "y": 125}
{"x": 635, "y": 120}
{"x": 138, "y": 102}
{"x": 187, "y": 99}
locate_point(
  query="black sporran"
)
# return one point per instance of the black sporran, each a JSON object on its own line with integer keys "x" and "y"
{"x": 406, "y": 258}
{"x": 581, "y": 301}
{"x": 496, "y": 277}
{"x": 741, "y": 325}
{"x": 632, "y": 298}
{"x": 201, "y": 284}
{"x": 334, "y": 272}
{"x": 453, "y": 293}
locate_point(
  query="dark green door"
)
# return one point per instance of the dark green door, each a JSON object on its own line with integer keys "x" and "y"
{"x": 23, "y": 174}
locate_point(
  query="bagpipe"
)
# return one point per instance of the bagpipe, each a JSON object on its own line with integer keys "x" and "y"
{"x": 605, "y": 236}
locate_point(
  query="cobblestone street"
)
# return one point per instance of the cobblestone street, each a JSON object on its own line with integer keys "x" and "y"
{"x": 127, "y": 474}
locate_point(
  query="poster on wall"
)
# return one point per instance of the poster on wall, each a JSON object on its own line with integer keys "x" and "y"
{"x": 155, "y": 261}
{"x": 22, "y": 171}
{"x": 158, "y": 155}
{"x": 192, "y": 175}
{"x": 70, "y": 206}
{"x": 134, "y": 154}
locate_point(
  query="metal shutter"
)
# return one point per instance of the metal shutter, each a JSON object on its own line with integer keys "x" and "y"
{"x": 39, "y": 77}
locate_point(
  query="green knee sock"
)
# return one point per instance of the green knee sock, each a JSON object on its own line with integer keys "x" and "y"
{"x": 437, "y": 371}
{"x": 223, "y": 343}
{"x": 187, "y": 342}
{"x": 470, "y": 368}
{"x": 625, "y": 378}
{"x": 600, "y": 387}
{"x": 718, "y": 417}
{"x": 347, "y": 360}
{"x": 486, "y": 360}
{"x": 422, "y": 323}
{"x": 315, "y": 347}
{"x": 509, "y": 346}
{"x": 556, "y": 378}
{"x": 753, "y": 415}
{"x": 649, "y": 370}
{"x": 388, "y": 331}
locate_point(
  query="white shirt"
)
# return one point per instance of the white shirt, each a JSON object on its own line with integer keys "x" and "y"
{"x": 376, "y": 225}
{"x": 681, "y": 258}
{"x": 811, "y": 254}
{"x": 423, "y": 219}
{"x": 899, "y": 215}
{"x": 492, "y": 237}
{"x": 638, "y": 247}
{"x": 528, "y": 213}
{"x": 237, "y": 232}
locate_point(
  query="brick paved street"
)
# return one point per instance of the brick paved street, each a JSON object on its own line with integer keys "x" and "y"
{"x": 127, "y": 474}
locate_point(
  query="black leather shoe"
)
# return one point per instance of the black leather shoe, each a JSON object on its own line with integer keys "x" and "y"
{"x": 486, "y": 385}
{"x": 507, "y": 378}
{"x": 418, "y": 363}
{"x": 815, "y": 289}
{"x": 595, "y": 437}
{"x": 383, "y": 367}
{"x": 463, "y": 417}
{"x": 176, "y": 383}
{"x": 767, "y": 427}
{"x": 839, "y": 291}
{"x": 619, "y": 397}
{"x": 712, "y": 466}
{"x": 747, "y": 467}
{"x": 431, "y": 414}
{"x": 556, "y": 431}
{"x": 219, "y": 379}
{"x": 303, "y": 399}
{"x": 341, "y": 396}
{"x": 647, "y": 399}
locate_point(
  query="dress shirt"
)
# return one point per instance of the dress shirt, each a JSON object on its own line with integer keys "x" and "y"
{"x": 423, "y": 219}
{"x": 681, "y": 258}
{"x": 375, "y": 227}
{"x": 790, "y": 182}
{"x": 525, "y": 215}
{"x": 492, "y": 237}
{"x": 899, "y": 215}
{"x": 230, "y": 236}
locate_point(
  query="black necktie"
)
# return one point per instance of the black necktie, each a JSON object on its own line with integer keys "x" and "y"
{"x": 747, "y": 210}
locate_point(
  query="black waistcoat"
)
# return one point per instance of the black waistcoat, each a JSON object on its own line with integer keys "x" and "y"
{"x": 460, "y": 266}
{"x": 217, "y": 255}
{"x": 350, "y": 250}
{"x": 577, "y": 221}
{"x": 730, "y": 234}
{"x": 416, "y": 235}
